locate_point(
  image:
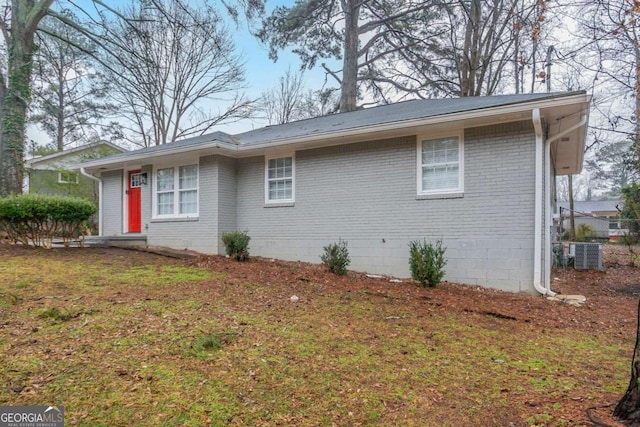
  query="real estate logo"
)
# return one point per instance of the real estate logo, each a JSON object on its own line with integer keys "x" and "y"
{"x": 31, "y": 416}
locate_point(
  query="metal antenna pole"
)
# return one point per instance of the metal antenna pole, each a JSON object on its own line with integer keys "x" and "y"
{"x": 550, "y": 50}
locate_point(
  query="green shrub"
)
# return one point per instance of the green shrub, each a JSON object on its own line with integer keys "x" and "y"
{"x": 336, "y": 257}
{"x": 584, "y": 232}
{"x": 427, "y": 262}
{"x": 237, "y": 245}
{"x": 34, "y": 219}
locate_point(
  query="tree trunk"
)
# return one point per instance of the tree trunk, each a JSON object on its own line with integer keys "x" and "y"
{"x": 3, "y": 94}
{"x": 60, "y": 106}
{"x": 628, "y": 408}
{"x": 14, "y": 115}
{"x": 25, "y": 16}
{"x": 636, "y": 139}
{"x": 516, "y": 66}
{"x": 470, "y": 50}
{"x": 349, "y": 84}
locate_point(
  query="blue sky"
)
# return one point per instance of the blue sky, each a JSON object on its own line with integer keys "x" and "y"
{"x": 261, "y": 73}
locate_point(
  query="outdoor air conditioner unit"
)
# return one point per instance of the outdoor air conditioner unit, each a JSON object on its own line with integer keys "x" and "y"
{"x": 586, "y": 255}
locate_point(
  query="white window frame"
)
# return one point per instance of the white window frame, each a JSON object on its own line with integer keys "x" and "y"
{"x": 61, "y": 180}
{"x": 444, "y": 191}
{"x": 176, "y": 191}
{"x": 267, "y": 180}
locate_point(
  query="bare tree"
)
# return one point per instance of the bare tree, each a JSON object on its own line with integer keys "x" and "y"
{"x": 19, "y": 22}
{"x": 167, "y": 63}
{"x": 283, "y": 103}
{"x": 609, "y": 171}
{"x": 321, "y": 102}
{"x": 69, "y": 99}
{"x": 610, "y": 30}
{"x": 612, "y": 33}
{"x": 486, "y": 50}
{"x": 289, "y": 101}
{"x": 396, "y": 49}
{"x": 358, "y": 33}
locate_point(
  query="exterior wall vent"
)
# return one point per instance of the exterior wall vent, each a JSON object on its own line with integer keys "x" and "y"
{"x": 586, "y": 255}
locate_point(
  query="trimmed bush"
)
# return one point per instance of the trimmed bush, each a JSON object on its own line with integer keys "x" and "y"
{"x": 427, "y": 262}
{"x": 34, "y": 219}
{"x": 237, "y": 245}
{"x": 336, "y": 257}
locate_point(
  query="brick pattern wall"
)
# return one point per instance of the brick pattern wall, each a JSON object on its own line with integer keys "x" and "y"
{"x": 227, "y": 202}
{"x": 199, "y": 234}
{"x": 365, "y": 193}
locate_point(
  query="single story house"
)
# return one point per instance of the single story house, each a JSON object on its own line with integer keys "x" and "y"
{"x": 378, "y": 178}
{"x": 602, "y": 215}
{"x": 58, "y": 173}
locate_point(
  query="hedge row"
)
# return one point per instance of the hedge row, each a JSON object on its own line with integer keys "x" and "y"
{"x": 33, "y": 219}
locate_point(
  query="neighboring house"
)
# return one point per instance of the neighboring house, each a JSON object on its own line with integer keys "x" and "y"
{"x": 602, "y": 215}
{"x": 58, "y": 173}
{"x": 450, "y": 169}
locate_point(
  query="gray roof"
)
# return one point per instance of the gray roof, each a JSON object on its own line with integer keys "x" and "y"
{"x": 336, "y": 123}
{"x": 195, "y": 141}
{"x": 591, "y": 206}
{"x": 384, "y": 114}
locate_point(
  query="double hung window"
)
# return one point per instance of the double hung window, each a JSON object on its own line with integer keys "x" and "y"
{"x": 279, "y": 180}
{"x": 440, "y": 165}
{"x": 176, "y": 191}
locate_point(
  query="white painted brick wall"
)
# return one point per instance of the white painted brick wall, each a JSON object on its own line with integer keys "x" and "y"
{"x": 227, "y": 190}
{"x": 365, "y": 193}
{"x": 200, "y": 234}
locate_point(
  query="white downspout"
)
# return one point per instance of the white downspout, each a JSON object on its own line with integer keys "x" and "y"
{"x": 540, "y": 151}
{"x": 548, "y": 217}
{"x": 100, "y": 210}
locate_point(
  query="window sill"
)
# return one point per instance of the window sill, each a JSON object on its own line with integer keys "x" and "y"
{"x": 280, "y": 205}
{"x": 438, "y": 196}
{"x": 176, "y": 219}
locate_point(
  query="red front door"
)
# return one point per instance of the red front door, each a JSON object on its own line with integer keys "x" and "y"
{"x": 133, "y": 201}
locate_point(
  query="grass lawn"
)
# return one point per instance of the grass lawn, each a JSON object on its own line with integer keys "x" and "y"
{"x": 122, "y": 338}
